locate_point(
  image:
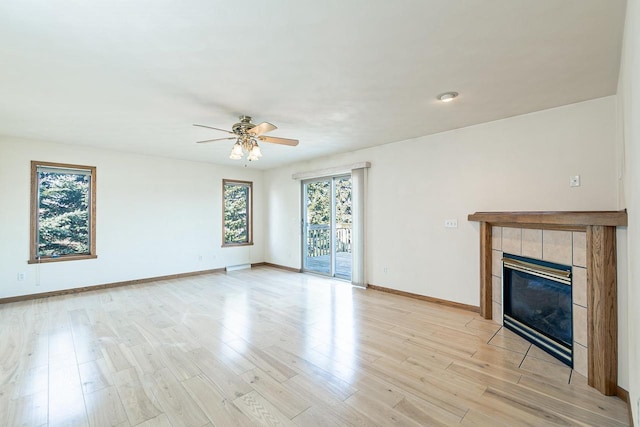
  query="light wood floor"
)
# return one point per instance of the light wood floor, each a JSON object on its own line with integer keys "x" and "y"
{"x": 270, "y": 347}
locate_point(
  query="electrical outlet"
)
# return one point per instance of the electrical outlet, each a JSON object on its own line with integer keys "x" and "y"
{"x": 21, "y": 276}
{"x": 385, "y": 270}
{"x": 451, "y": 223}
{"x": 574, "y": 181}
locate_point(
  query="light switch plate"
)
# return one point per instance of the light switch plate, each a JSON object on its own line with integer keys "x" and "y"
{"x": 451, "y": 223}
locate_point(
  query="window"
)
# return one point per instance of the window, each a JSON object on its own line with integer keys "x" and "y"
{"x": 236, "y": 213}
{"x": 63, "y": 212}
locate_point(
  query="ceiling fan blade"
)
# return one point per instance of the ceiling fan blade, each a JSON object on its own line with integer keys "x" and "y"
{"x": 211, "y": 127}
{"x": 217, "y": 139}
{"x": 263, "y": 127}
{"x": 283, "y": 141}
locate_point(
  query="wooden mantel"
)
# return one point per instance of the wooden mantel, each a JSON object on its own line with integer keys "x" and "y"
{"x": 600, "y": 227}
{"x": 567, "y": 219}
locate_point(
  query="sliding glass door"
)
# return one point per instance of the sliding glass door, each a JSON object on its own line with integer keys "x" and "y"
{"x": 317, "y": 226}
{"x": 327, "y": 226}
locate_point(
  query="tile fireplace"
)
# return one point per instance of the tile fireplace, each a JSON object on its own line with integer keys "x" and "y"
{"x": 584, "y": 240}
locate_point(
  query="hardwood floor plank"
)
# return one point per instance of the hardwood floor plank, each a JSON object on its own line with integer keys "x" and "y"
{"x": 499, "y": 372}
{"x": 428, "y": 359}
{"x": 115, "y": 357}
{"x": 440, "y": 379}
{"x": 336, "y": 386}
{"x": 36, "y": 351}
{"x": 522, "y": 397}
{"x": 231, "y": 358}
{"x": 587, "y": 398}
{"x": 227, "y": 382}
{"x": 553, "y": 371}
{"x": 61, "y": 348}
{"x": 339, "y": 365}
{"x": 425, "y": 413}
{"x": 381, "y": 413}
{"x": 6, "y": 394}
{"x": 160, "y": 421}
{"x": 178, "y": 361}
{"x": 551, "y": 404}
{"x": 66, "y": 400}
{"x": 180, "y": 336}
{"x": 331, "y": 348}
{"x": 125, "y": 329}
{"x": 33, "y": 381}
{"x": 139, "y": 404}
{"x": 261, "y": 411}
{"x": 378, "y": 389}
{"x": 524, "y": 411}
{"x": 104, "y": 408}
{"x": 289, "y": 403}
{"x": 414, "y": 385}
{"x": 482, "y": 374}
{"x": 27, "y": 410}
{"x": 326, "y": 403}
{"x": 269, "y": 364}
{"x": 476, "y": 418}
{"x": 319, "y": 417}
{"x": 175, "y": 402}
{"x": 416, "y": 343}
{"x": 147, "y": 358}
{"x": 220, "y": 410}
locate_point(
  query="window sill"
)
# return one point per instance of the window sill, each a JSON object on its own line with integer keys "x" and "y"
{"x": 61, "y": 258}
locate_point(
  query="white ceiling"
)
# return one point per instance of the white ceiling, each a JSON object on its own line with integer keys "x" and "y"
{"x": 338, "y": 75}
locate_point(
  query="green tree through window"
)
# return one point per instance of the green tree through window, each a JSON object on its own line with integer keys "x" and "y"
{"x": 63, "y": 212}
{"x": 237, "y": 205}
{"x": 318, "y": 202}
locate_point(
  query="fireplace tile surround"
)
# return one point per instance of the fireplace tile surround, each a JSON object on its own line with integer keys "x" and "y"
{"x": 586, "y": 240}
{"x": 564, "y": 247}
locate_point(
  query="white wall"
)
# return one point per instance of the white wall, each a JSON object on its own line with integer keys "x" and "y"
{"x": 517, "y": 164}
{"x": 629, "y": 132}
{"x": 521, "y": 163}
{"x": 155, "y": 217}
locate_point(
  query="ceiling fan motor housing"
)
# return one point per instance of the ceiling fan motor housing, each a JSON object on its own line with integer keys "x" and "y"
{"x": 242, "y": 127}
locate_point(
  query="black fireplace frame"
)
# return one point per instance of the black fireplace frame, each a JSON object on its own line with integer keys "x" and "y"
{"x": 558, "y": 274}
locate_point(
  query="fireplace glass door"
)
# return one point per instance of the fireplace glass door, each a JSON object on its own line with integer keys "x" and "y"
{"x": 538, "y": 305}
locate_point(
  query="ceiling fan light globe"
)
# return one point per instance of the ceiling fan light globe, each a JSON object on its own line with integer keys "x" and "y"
{"x": 237, "y": 150}
{"x": 255, "y": 151}
{"x": 234, "y": 155}
{"x": 252, "y": 157}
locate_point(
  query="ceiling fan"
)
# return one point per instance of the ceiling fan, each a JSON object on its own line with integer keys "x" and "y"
{"x": 247, "y": 135}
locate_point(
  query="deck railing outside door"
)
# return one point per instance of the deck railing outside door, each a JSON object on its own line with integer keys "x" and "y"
{"x": 319, "y": 239}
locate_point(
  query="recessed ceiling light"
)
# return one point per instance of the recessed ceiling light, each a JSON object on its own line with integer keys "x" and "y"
{"x": 447, "y": 96}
